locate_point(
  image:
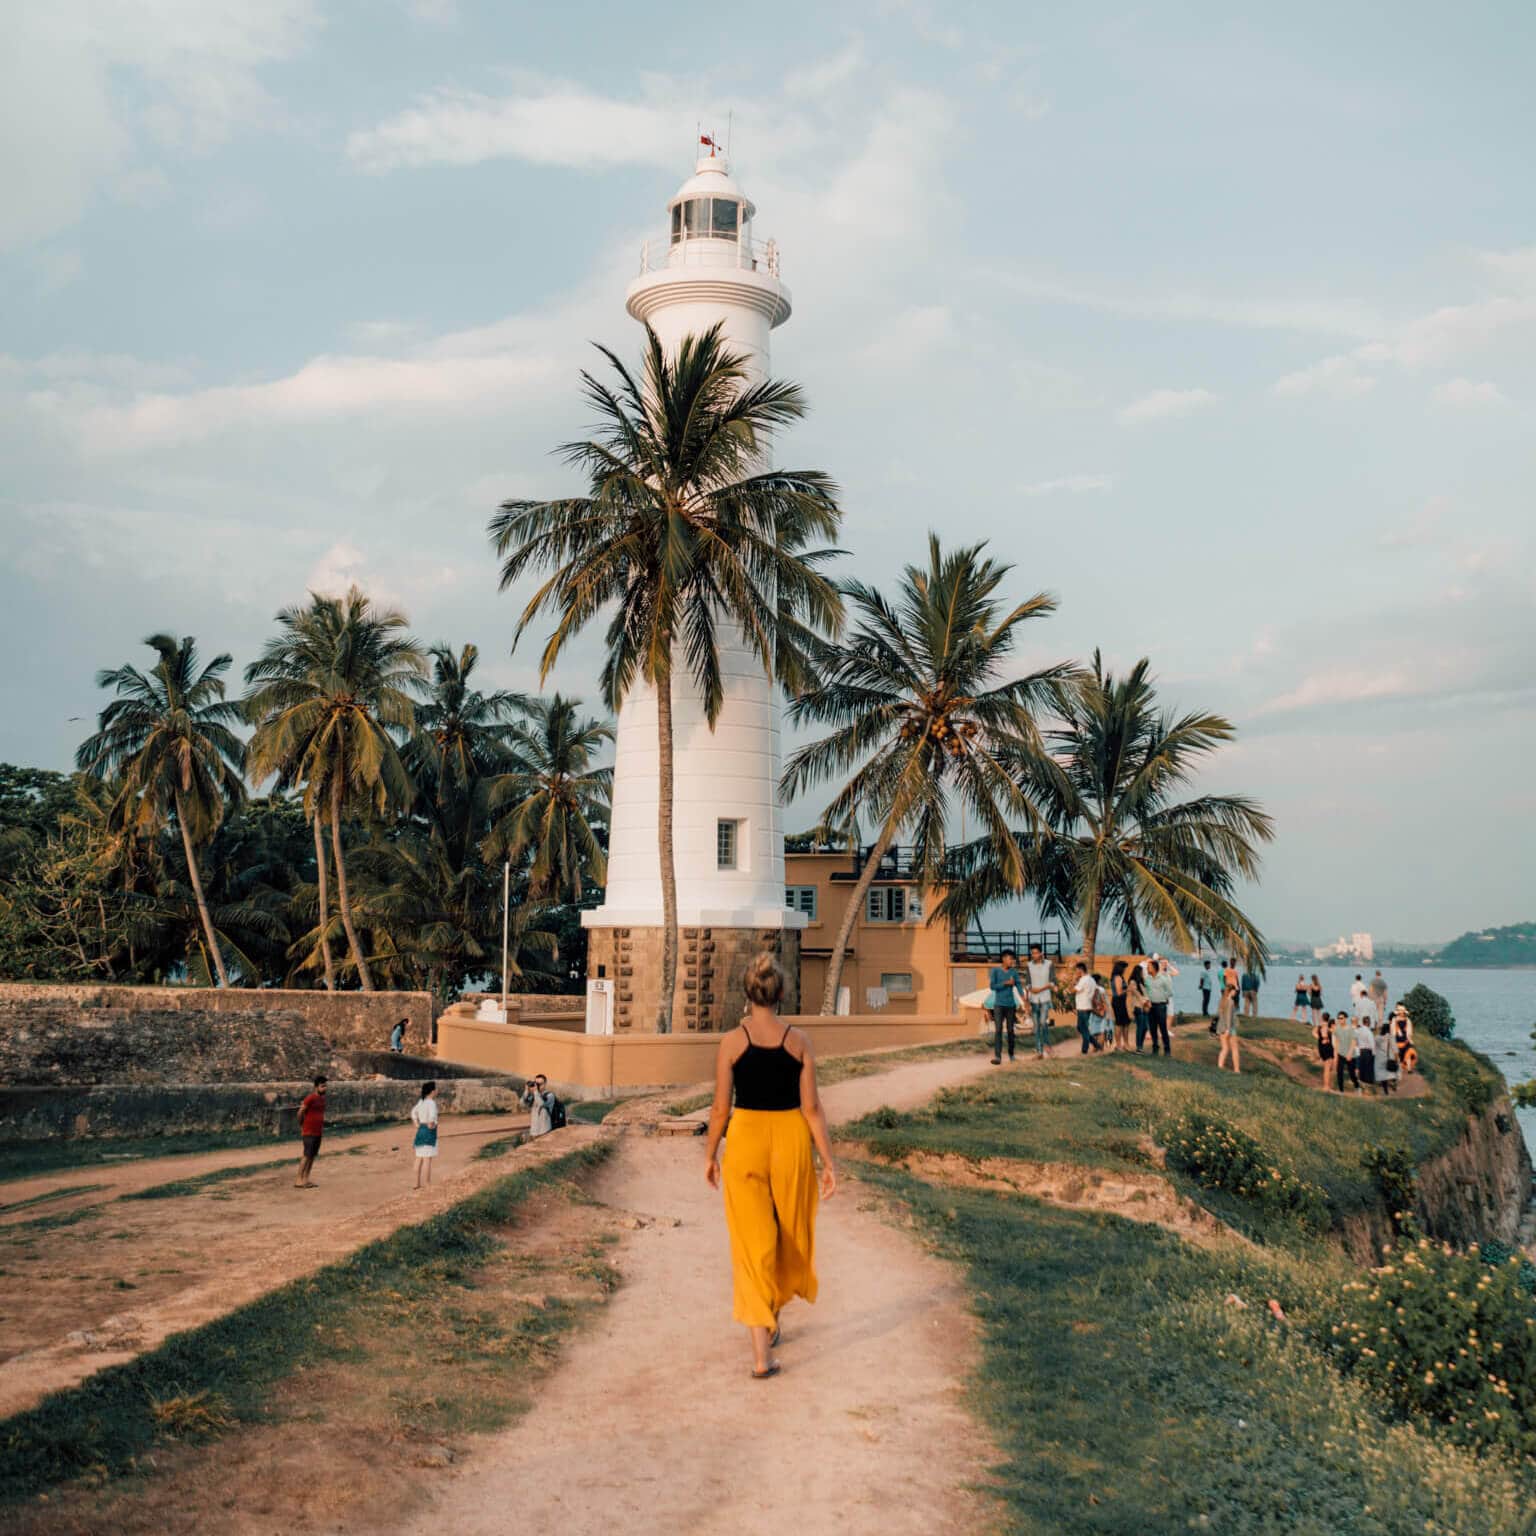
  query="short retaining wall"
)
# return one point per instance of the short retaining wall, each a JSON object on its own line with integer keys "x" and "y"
{"x": 592, "y": 1066}
{"x": 39, "y": 1114}
{"x": 345, "y": 1020}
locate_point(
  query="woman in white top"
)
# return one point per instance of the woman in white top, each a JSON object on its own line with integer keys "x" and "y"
{"x": 424, "y": 1117}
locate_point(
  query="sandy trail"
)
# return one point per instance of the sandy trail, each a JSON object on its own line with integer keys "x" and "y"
{"x": 131, "y": 1272}
{"x": 649, "y": 1421}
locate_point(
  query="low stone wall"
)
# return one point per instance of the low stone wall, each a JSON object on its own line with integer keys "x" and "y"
{"x": 595, "y": 1066}
{"x": 30, "y": 1114}
{"x": 57, "y": 1044}
{"x": 344, "y": 1020}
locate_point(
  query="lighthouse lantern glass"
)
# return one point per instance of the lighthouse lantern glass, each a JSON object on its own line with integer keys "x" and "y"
{"x": 706, "y": 218}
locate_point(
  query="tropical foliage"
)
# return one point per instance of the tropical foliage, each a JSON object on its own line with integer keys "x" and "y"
{"x": 684, "y": 541}
{"x": 924, "y": 720}
{"x": 1118, "y": 843}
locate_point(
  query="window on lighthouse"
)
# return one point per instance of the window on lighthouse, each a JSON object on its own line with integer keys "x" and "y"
{"x": 706, "y": 218}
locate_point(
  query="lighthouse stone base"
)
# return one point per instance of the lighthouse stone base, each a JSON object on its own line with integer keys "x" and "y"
{"x": 711, "y": 963}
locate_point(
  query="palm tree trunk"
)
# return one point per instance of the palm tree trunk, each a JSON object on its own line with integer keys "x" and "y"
{"x": 343, "y": 899}
{"x": 669, "y": 935}
{"x": 321, "y": 874}
{"x": 197, "y": 891}
{"x": 1091, "y": 929}
{"x": 856, "y": 903}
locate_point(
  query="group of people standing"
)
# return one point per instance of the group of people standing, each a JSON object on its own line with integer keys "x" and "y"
{"x": 1372, "y": 1050}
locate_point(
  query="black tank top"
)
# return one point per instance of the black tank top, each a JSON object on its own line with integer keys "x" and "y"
{"x": 767, "y": 1076}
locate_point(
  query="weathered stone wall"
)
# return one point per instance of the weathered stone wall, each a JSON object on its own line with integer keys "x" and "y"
{"x": 344, "y": 1020}
{"x": 532, "y": 1005}
{"x": 40, "y": 1114}
{"x": 711, "y": 965}
{"x": 57, "y": 1043}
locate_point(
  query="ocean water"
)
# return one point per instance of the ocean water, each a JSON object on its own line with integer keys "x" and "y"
{"x": 1495, "y": 1010}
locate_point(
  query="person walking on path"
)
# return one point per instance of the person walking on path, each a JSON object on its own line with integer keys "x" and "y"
{"x": 1402, "y": 1036}
{"x": 1121, "y": 1006}
{"x": 1088, "y": 996}
{"x": 1315, "y": 999}
{"x": 1365, "y": 1052}
{"x": 1159, "y": 990}
{"x": 1039, "y": 976}
{"x": 1378, "y": 991}
{"x": 311, "y": 1130}
{"x": 539, "y": 1101}
{"x": 1207, "y": 986}
{"x": 1007, "y": 986}
{"x": 767, "y": 1069}
{"x": 397, "y": 1036}
{"x": 1344, "y": 1049}
{"x": 1250, "y": 989}
{"x": 1323, "y": 1034}
{"x": 1226, "y": 1022}
{"x": 1301, "y": 1002}
{"x": 1161, "y": 965}
{"x": 1388, "y": 1067}
{"x": 424, "y": 1118}
{"x": 1357, "y": 995}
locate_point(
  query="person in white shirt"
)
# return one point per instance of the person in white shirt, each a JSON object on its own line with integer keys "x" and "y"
{"x": 1357, "y": 995}
{"x": 424, "y": 1118}
{"x": 1084, "y": 990}
{"x": 1038, "y": 972}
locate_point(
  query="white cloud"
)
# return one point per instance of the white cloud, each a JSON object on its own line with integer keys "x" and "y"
{"x": 1468, "y": 392}
{"x": 1328, "y": 317}
{"x": 546, "y": 122}
{"x": 1516, "y": 267}
{"x": 1340, "y": 378}
{"x": 1164, "y": 404}
{"x": 1424, "y": 529}
{"x": 909, "y": 337}
{"x": 1072, "y": 485}
{"x": 1347, "y": 687}
{"x": 823, "y": 75}
{"x": 87, "y": 85}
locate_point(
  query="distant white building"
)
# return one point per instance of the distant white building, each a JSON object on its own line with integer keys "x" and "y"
{"x": 1358, "y": 946}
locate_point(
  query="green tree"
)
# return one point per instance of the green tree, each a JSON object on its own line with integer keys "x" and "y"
{"x": 1119, "y": 843}
{"x": 1429, "y": 1011}
{"x": 329, "y": 696}
{"x": 169, "y": 735}
{"x": 553, "y": 804}
{"x": 924, "y": 719}
{"x": 682, "y": 536}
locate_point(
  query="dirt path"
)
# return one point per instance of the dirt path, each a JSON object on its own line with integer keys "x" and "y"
{"x": 120, "y": 1275}
{"x": 649, "y": 1423}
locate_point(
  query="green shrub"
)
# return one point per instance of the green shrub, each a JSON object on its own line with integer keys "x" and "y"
{"x": 1217, "y": 1155}
{"x": 1429, "y": 1011}
{"x": 1442, "y": 1335}
{"x": 1492, "y": 1251}
{"x": 1471, "y": 1080}
{"x": 1396, "y": 1177}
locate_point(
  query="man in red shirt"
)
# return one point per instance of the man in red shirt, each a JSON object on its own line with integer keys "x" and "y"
{"x": 311, "y": 1129}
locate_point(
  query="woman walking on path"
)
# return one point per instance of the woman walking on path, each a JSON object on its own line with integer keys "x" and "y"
{"x": 1007, "y": 987}
{"x": 1323, "y": 1034}
{"x": 1302, "y": 1002}
{"x": 1226, "y": 1023}
{"x": 769, "y": 1071}
{"x": 1387, "y": 1066}
{"x": 424, "y": 1117}
{"x": 1315, "y": 998}
{"x": 1120, "y": 1007}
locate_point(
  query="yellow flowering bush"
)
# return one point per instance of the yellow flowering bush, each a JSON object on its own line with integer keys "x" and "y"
{"x": 1444, "y": 1335}
{"x": 1217, "y": 1155}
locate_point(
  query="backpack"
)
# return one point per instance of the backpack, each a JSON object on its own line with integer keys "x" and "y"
{"x": 556, "y": 1115}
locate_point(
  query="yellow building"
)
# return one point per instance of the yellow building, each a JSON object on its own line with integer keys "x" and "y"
{"x": 896, "y": 960}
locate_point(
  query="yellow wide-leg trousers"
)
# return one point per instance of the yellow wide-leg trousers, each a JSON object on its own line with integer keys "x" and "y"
{"x": 770, "y": 1211}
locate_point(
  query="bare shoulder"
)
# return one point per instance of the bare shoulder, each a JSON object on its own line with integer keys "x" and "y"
{"x": 798, "y": 1044}
{"x": 733, "y": 1043}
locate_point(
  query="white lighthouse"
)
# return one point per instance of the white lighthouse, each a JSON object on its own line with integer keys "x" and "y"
{"x": 727, "y": 830}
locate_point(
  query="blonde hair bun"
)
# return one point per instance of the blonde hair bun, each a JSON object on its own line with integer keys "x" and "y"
{"x": 764, "y": 980}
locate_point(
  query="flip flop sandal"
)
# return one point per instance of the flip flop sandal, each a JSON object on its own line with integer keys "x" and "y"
{"x": 773, "y": 1370}
{"x": 773, "y": 1343}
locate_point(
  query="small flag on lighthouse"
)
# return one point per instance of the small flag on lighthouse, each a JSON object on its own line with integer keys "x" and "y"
{"x": 704, "y": 138}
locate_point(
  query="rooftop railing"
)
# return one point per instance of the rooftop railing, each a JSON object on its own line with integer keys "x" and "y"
{"x": 663, "y": 254}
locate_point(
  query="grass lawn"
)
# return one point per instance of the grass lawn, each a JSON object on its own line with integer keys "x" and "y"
{"x": 1108, "y": 1112}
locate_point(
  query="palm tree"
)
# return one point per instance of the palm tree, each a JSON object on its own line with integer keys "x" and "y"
{"x": 681, "y": 535}
{"x": 169, "y": 734}
{"x": 1119, "y": 844}
{"x": 328, "y": 696}
{"x": 554, "y": 799}
{"x": 922, "y": 717}
{"x": 462, "y": 742}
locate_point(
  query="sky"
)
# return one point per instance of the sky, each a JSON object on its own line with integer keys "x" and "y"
{"x": 1216, "y": 320}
